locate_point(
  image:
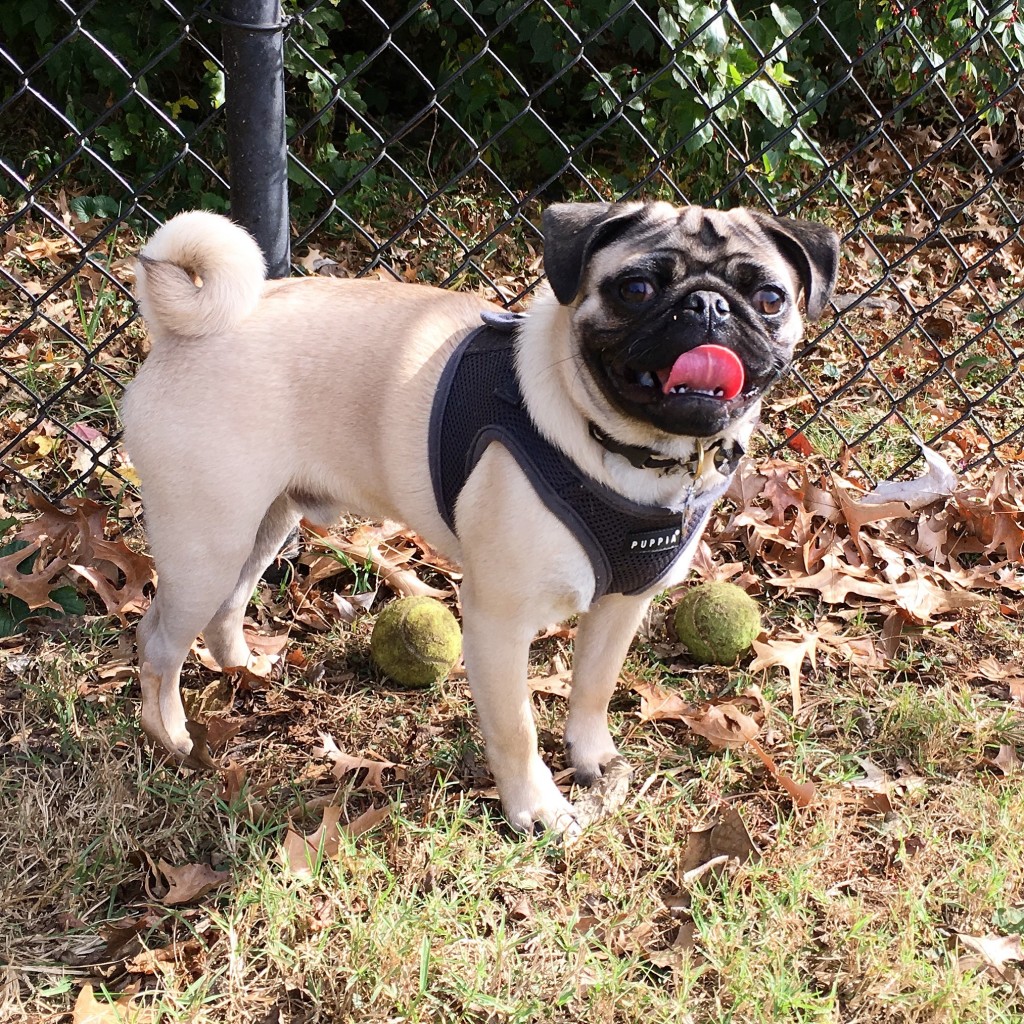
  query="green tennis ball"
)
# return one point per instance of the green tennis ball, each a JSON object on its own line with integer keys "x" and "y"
{"x": 717, "y": 622}
{"x": 416, "y": 641}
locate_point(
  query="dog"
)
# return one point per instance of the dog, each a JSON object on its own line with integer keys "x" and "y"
{"x": 636, "y": 378}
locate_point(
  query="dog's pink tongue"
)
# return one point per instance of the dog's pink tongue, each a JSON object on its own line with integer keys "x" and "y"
{"x": 705, "y": 368}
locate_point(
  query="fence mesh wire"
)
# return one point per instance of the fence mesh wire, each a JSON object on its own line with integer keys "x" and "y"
{"x": 425, "y": 138}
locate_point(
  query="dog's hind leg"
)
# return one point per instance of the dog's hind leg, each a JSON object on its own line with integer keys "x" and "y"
{"x": 199, "y": 565}
{"x": 223, "y": 634}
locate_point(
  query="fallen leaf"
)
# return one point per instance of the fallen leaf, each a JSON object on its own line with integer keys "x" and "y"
{"x": 89, "y": 1010}
{"x": 727, "y": 840}
{"x": 95, "y": 552}
{"x": 190, "y": 881}
{"x": 993, "y": 955}
{"x": 788, "y": 654}
{"x": 658, "y": 704}
{"x": 351, "y": 606}
{"x": 164, "y": 958}
{"x": 557, "y": 684}
{"x": 934, "y": 485}
{"x": 32, "y": 587}
{"x": 606, "y": 795}
{"x": 722, "y": 725}
{"x": 365, "y": 546}
{"x": 1006, "y": 760}
{"x": 302, "y": 853}
{"x": 802, "y": 793}
{"x": 119, "y": 933}
{"x": 370, "y": 818}
{"x": 343, "y": 763}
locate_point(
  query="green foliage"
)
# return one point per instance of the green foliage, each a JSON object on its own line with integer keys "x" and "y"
{"x": 120, "y": 75}
{"x": 971, "y": 51}
{"x": 723, "y": 91}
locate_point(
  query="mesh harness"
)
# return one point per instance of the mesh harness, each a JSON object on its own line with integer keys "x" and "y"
{"x": 630, "y": 546}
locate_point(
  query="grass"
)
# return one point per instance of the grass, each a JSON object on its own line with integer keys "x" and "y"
{"x": 847, "y": 916}
{"x": 440, "y": 914}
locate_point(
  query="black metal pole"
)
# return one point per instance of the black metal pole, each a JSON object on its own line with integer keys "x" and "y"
{"x": 254, "y": 102}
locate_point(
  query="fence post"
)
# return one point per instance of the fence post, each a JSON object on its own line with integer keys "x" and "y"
{"x": 254, "y": 104}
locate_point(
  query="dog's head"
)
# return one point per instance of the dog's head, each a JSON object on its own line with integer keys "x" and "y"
{"x": 684, "y": 316}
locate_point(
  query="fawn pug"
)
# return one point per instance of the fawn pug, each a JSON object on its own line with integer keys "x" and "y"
{"x": 567, "y": 458}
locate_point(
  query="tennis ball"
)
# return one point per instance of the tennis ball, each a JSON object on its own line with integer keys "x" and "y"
{"x": 416, "y": 641}
{"x": 717, "y": 622}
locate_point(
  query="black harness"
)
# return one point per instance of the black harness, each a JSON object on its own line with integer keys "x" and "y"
{"x": 630, "y": 546}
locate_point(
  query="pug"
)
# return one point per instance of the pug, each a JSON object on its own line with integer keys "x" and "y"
{"x": 567, "y": 458}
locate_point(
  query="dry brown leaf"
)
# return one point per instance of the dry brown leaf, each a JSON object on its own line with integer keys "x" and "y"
{"x": 264, "y": 643}
{"x": 190, "y": 881}
{"x": 877, "y": 789}
{"x": 220, "y": 731}
{"x": 32, "y": 587}
{"x": 790, "y": 655}
{"x": 722, "y": 725}
{"x": 558, "y": 684}
{"x": 302, "y": 852}
{"x": 164, "y": 958}
{"x": 119, "y": 598}
{"x": 89, "y": 1010}
{"x": 802, "y": 793}
{"x": 351, "y": 606}
{"x": 923, "y": 599}
{"x": 1007, "y": 532}
{"x": 343, "y": 763}
{"x": 1006, "y": 760}
{"x": 658, "y": 704}
{"x": 119, "y": 933}
{"x": 936, "y": 484}
{"x": 835, "y": 581}
{"x": 370, "y": 818}
{"x": 993, "y": 955}
{"x": 606, "y": 795}
{"x": 727, "y": 840}
{"x": 388, "y": 566}
{"x": 99, "y": 560}
{"x": 858, "y": 514}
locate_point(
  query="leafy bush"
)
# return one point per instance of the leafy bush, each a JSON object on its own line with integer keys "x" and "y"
{"x": 913, "y": 53}
{"x": 714, "y": 92}
{"x": 99, "y": 78}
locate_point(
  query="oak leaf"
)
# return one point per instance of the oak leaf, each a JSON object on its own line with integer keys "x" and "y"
{"x": 89, "y": 1010}
{"x": 722, "y": 725}
{"x": 790, "y": 655}
{"x": 343, "y": 763}
{"x": 936, "y": 484}
{"x": 802, "y": 793}
{"x": 188, "y": 882}
{"x": 302, "y": 853}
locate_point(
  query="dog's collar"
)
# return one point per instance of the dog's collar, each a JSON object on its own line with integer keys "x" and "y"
{"x": 724, "y": 454}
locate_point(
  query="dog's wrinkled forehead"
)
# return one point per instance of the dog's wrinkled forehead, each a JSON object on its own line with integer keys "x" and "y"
{"x": 700, "y": 239}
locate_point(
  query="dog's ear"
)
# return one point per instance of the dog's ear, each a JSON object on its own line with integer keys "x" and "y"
{"x": 813, "y": 249}
{"x": 573, "y": 232}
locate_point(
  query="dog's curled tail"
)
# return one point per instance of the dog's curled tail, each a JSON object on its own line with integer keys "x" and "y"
{"x": 198, "y": 276}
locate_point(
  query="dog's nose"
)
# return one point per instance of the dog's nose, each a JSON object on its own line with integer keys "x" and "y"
{"x": 709, "y": 305}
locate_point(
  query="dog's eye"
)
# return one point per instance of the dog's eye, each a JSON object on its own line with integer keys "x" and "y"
{"x": 769, "y": 301}
{"x": 636, "y": 290}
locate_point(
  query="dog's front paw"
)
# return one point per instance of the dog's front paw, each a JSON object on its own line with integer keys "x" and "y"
{"x": 589, "y": 747}
{"x": 533, "y": 798}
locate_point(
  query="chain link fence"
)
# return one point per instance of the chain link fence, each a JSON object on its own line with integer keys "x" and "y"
{"x": 423, "y": 140}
